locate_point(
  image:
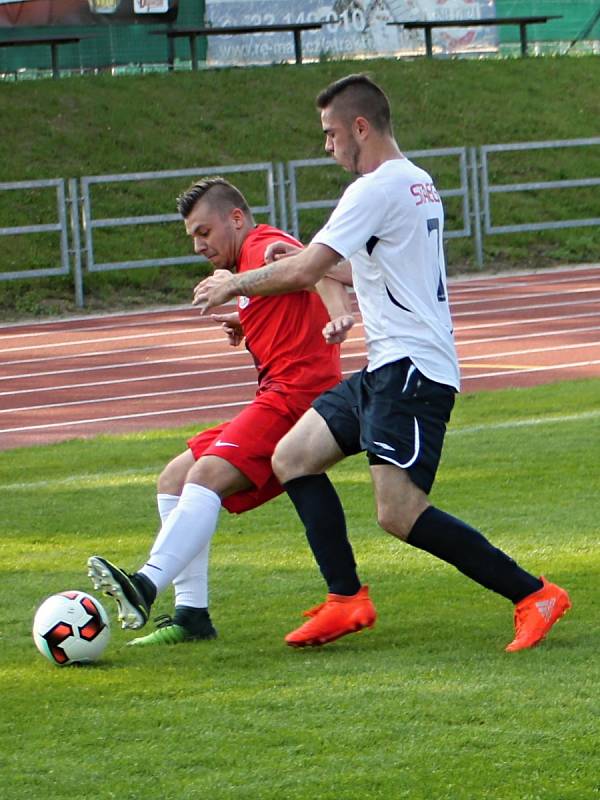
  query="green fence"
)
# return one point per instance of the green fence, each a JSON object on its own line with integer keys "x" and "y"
{"x": 576, "y": 15}
{"x": 109, "y": 45}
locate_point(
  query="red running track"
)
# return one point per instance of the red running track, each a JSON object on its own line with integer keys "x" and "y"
{"x": 128, "y": 372}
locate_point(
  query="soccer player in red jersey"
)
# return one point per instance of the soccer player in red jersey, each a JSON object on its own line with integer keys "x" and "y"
{"x": 228, "y": 465}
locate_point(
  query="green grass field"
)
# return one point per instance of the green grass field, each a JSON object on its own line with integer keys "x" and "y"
{"x": 425, "y": 705}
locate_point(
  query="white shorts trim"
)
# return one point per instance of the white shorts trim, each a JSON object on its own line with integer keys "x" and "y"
{"x": 414, "y": 456}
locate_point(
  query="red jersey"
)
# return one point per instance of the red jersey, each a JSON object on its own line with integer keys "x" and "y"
{"x": 284, "y": 332}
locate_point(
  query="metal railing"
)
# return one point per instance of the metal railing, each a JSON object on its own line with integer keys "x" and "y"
{"x": 61, "y": 227}
{"x": 462, "y": 191}
{"x": 488, "y": 189}
{"x": 92, "y": 223}
{"x": 77, "y": 220}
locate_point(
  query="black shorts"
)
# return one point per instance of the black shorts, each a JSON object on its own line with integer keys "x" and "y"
{"x": 394, "y": 413}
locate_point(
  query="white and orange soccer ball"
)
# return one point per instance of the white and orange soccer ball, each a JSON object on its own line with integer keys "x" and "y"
{"x": 71, "y": 628}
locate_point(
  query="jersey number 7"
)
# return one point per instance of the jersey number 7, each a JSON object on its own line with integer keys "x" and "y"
{"x": 433, "y": 224}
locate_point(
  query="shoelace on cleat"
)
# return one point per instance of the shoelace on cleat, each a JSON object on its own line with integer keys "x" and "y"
{"x": 521, "y": 615}
{"x": 519, "y": 621}
{"x": 164, "y": 620}
{"x": 312, "y": 612}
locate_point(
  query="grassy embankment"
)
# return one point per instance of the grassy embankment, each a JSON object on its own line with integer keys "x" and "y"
{"x": 103, "y": 125}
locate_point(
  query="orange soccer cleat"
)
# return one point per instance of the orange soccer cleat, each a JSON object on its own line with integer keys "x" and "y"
{"x": 536, "y": 614}
{"x": 337, "y": 616}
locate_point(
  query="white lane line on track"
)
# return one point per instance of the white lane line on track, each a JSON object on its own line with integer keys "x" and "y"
{"x": 121, "y": 315}
{"x": 216, "y": 387}
{"x": 175, "y": 359}
{"x": 139, "y": 415}
{"x": 237, "y": 368}
{"x": 494, "y": 285}
{"x": 145, "y": 349}
{"x": 525, "y": 371}
{"x": 90, "y": 384}
{"x": 171, "y": 411}
{"x": 517, "y": 309}
{"x": 468, "y": 285}
{"x": 233, "y": 353}
{"x": 136, "y": 415}
{"x": 196, "y": 343}
{"x": 118, "y": 399}
{"x": 538, "y": 295}
{"x": 116, "y": 381}
{"x": 540, "y": 334}
{"x": 110, "y": 399}
{"x": 533, "y": 321}
{"x": 125, "y": 365}
{"x": 63, "y": 326}
{"x": 66, "y": 328}
{"x": 529, "y": 350}
{"x": 203, "y": 328}
{"x": 106, "y": 477}
{"x": 108, "y": 339}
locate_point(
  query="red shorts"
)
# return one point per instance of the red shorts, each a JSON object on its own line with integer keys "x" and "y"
{"x": 248, "y": 442}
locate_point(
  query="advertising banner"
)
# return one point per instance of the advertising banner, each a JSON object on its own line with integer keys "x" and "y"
{"x": 351, "y": 28}
{"x": 25, "y": 13}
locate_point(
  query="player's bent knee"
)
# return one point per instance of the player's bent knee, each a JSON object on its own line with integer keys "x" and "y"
{"x": 172, "y": 479}
{"x": 283, "y": 467}
{"x": 308, "y": 449}
{"x": 203, "y": 474}
{"x": 218, "y": 475}
{"x": 393, "y": 523}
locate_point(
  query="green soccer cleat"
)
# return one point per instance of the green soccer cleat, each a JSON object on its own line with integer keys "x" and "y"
{"x": 168, "y": 631}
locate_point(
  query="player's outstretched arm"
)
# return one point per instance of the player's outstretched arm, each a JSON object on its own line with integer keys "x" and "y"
{"x": 300, "y": 271}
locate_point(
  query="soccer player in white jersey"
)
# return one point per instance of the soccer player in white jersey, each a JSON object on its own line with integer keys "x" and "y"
{"x": 390, "y": 224}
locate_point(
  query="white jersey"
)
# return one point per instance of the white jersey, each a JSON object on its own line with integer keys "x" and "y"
{"x": 390, "y": 224}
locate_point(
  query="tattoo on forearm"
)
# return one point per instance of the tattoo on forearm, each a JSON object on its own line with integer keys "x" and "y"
{"x": 248, "y": 282}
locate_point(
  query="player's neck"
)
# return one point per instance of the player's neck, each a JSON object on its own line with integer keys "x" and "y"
{"x": 374, "y": 157}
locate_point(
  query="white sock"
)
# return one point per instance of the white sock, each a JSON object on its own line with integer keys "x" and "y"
{"x": 166, "y": 503}
{"x": 187, "y": 531}
{"x": 191, "y": 585}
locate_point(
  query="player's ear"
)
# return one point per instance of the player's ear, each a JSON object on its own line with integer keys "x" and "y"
{"x": 238, "y": 218}
{"x": 360, "y": 127}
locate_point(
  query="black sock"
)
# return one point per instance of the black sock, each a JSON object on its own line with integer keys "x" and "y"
{"x": 194, "y": 620}
{"x": 146, "y": 587}
{"x": 320, "y": 510}
{"x": 454, "y": 541}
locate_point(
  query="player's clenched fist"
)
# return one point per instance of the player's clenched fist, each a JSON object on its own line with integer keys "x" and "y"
{"x": 337, "y": 329}
{"x": 232, "y": 326}
{"x": 213, "y": 291}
